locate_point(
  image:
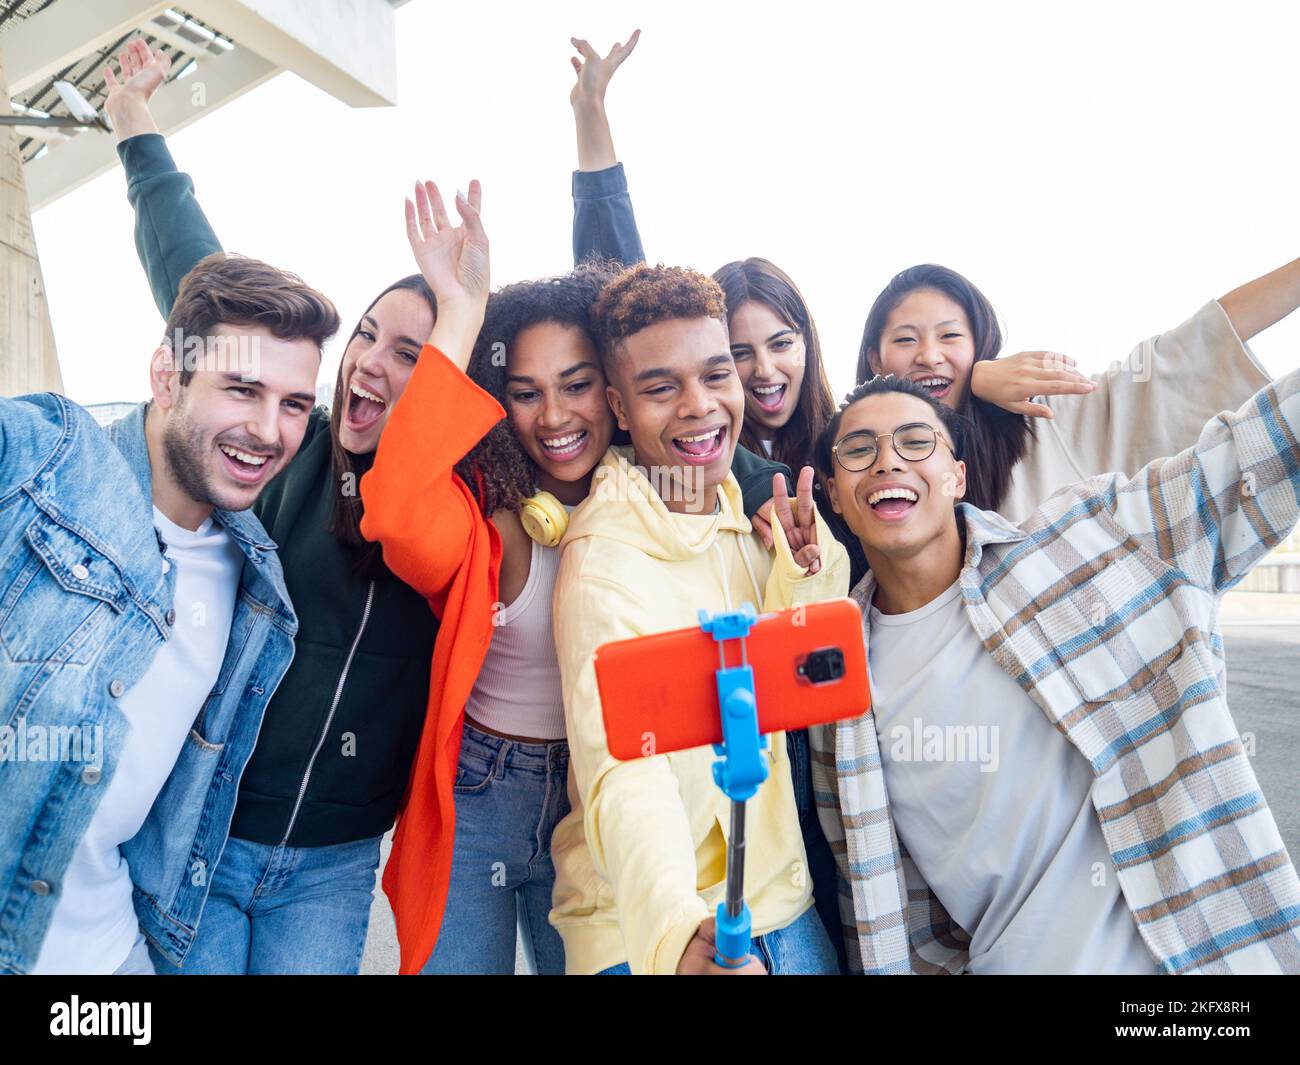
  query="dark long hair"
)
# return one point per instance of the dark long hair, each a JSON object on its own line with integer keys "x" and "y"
{"x": 498, "y": 469}
{"x": 345, "y": 515}
{"x": 997, "y": 438}
{"x": 764, "y": 282}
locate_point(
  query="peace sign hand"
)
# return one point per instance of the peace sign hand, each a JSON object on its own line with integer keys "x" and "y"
{"x": 799, "y": 525}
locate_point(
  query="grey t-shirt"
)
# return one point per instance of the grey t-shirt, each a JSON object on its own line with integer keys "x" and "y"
{"x": 993, "y": 803}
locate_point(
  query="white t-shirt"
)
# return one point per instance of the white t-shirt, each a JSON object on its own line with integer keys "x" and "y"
{"x": 94, "y": 924}
{"x": 993, "y": 803}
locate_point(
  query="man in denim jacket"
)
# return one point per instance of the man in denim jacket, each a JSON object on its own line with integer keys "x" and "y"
{"x": 144, "y": 624}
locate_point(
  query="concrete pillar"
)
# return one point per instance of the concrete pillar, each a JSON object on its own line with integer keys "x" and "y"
{"x": 28, "y": 360}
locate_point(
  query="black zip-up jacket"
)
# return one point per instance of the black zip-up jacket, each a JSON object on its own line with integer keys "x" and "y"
{"x": 339, "y": 736}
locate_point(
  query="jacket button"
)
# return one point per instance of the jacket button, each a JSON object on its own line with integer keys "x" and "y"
{"x": 167, "y": 566}
{"x": 171, "y": 617}
{"x": 41, "y": 887}
{"x": 80, "y": 572}
{"x": 91, "y": 775}
{"x": 116, "y": 689}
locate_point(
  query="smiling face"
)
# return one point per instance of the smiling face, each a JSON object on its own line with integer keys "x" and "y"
{"x": 770, "y": 356}
{"x": 555, "y": 396}
{"x": 928, "y": 338}
{"x": 377, "y": 365}
{"x": 897, "y": 508}
{"x": 239, "y": 419}
{"x": 674, "y": 387}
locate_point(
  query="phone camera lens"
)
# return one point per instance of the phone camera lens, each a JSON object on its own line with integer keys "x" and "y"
{"x": 824, "y": 666}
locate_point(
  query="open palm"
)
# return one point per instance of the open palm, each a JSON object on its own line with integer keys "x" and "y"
{"x": 142, "y": 73}
{"x": 452, "y": 259}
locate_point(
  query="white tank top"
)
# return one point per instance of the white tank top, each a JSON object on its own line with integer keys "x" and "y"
{"x": 518, "y": 689}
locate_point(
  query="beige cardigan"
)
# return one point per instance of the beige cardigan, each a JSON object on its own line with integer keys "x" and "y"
{"x": 1154, "y": 404}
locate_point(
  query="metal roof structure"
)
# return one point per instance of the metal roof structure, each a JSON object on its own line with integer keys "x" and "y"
{"x": 345, "y": 47}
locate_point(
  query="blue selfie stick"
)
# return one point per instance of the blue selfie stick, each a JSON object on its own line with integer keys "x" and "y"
{"x": 739, "y": 770}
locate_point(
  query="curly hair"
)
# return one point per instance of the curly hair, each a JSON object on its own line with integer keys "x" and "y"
{"x": 498, "y": 469}
{"x": 643, "y": 295}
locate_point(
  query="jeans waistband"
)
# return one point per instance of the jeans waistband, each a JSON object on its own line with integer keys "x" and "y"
{"x": 515, "y": 754}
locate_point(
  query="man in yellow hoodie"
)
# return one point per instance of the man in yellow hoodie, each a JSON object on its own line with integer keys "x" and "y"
{"x": 641, "y": 859}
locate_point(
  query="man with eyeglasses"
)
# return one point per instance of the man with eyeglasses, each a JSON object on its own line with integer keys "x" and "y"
{"x": 1049, "y": 780}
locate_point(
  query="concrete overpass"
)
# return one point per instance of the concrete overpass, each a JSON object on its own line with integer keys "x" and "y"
{"x": 220, "y": 50}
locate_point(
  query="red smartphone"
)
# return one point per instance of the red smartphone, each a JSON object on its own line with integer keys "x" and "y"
{"x": 659, "y": 693}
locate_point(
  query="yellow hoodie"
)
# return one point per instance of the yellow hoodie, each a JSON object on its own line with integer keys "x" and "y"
{"x": 641, "y": 859}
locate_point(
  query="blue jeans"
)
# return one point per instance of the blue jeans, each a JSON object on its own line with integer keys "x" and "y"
{"x": 801, "y": 948}
{"x": 280, "y": 909}
{"x": 509, "y": 798}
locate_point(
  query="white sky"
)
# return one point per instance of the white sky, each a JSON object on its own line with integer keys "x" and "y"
{"x": 1100, "y": 170}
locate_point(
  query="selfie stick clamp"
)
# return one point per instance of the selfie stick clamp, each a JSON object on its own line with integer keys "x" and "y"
{"x": 739, "y": 770}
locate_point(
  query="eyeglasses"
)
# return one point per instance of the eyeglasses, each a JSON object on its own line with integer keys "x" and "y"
{"x": 913, "y": 442}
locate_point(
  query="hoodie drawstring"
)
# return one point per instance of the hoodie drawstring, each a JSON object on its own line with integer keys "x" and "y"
{"x": 749, "y": 568}
{"x": 722, "y": 567}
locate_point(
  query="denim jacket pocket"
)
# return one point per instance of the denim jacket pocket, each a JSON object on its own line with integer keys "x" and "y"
{"x": 61, "y": 602}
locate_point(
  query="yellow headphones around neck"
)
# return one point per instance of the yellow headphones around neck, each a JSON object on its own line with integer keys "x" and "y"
{"x": 544, "y": 518}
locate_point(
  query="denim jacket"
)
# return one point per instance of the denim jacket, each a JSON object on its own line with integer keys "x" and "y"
{"x": 84, "y": 606}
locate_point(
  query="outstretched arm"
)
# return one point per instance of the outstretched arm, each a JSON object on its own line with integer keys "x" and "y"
{"x": 603, "y": 222}
{"x": 1214, "y": 510}
{"x": 171, "y": 231}
{"x": 1257, "y": 304}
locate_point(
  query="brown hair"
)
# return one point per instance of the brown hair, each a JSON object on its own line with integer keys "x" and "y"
{"x": 644, "y": 295}
{"x": 997, "y": 438}
{"x": 345, "y": 514}
{"x": 761, "y": 281}
{"x": 225, "y": 289}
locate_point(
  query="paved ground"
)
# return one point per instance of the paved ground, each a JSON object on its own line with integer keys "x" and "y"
{"x": 1261, "y": 634}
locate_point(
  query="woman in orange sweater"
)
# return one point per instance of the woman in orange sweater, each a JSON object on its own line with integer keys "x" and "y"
{"x": 443, "y": 498}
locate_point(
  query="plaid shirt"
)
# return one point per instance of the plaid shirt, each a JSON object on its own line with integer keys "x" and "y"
{"x": 1103, "y": 605}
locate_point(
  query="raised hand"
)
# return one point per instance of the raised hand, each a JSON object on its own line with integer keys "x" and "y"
{"x": 1013, "y": 381}
{"x": 454, "y": 262}
{"x": 800, "y": 524}
{"x": 595, "y": 141}
{"x": 127, "y": 104}
{"x": 594, "y": 70}
{"x": 453, "y": 259}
